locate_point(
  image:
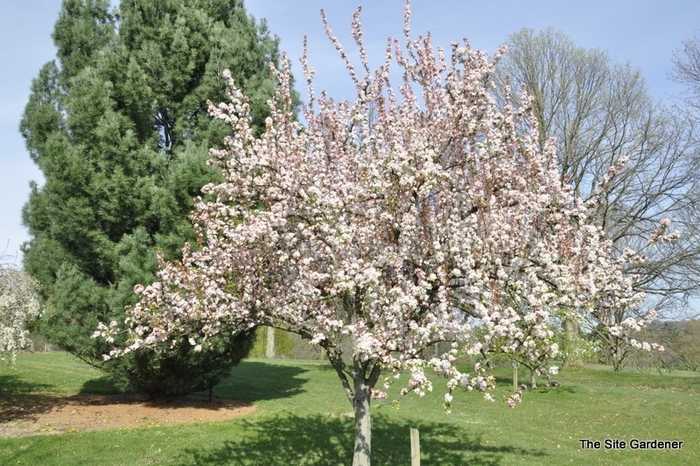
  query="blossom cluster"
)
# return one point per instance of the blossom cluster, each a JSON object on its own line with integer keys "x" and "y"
{"x": 19, "y": 304}
{"x": 416, "y": 215}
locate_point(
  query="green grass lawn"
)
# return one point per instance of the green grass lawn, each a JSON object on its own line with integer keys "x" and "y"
{"x": 303, "y": 418}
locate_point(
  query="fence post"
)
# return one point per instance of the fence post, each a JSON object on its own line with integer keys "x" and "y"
{"x": 415, "y": 447}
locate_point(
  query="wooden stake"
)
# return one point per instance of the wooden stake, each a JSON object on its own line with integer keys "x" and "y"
{"x": 415, "y": 447}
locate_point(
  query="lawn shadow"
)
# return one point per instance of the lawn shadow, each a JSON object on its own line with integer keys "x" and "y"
{"x": 19, "y": 399}
{"x": 560, "y": 390}
{"x": 252, "y": 381}
{"x": 100, "y": 386}
{"x": 14, "y": 383}
{"x": 16, "y": 406}
{"x": 327, "y": 440}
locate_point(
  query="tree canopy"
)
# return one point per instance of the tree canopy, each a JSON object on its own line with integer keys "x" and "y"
{"x": 388, "y": 230}
{"x": 118, "y": 125}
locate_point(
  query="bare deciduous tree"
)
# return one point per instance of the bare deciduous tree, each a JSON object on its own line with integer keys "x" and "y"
{"x": 615, "y": 143}
{"x": 686, "y": 71}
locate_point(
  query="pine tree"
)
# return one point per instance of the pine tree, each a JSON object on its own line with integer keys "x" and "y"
{"x": 118, "y": 124}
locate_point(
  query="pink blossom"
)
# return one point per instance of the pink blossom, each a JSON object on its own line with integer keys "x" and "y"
{"x": 514, "y": 399}
{"x": 406, "y": 218}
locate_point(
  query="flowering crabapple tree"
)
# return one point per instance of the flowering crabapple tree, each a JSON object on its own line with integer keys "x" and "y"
{"x": 606, "y": 321}
{"x": 19, "y": 304}
{"x": 611, "y": 325}
{"x": 406, "y": 218}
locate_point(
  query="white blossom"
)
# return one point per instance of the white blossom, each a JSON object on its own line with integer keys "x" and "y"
{"x": 19, "y": 303}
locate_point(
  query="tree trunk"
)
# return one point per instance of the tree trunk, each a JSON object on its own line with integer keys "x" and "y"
{"x": 363, "y": 424}
{"x": 571, "y": 331}
{"x": 270, "y": 343}
{"x": 533, "y": 378}
{"x": 364, "y": 376}
{"x": 617, "y": 361}
{"x": 617, "y": 354}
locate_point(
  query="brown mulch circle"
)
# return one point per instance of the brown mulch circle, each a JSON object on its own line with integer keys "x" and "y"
{"x": 51, "y": 413}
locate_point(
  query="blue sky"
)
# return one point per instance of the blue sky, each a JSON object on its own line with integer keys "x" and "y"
{"x": 643, "y": 32}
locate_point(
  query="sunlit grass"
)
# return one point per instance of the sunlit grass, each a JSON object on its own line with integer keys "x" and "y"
{"x": 303, "y": 418}
{"x": 53, "y": 372}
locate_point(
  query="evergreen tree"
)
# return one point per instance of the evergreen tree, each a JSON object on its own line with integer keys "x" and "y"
{"x": 118, "y": 124}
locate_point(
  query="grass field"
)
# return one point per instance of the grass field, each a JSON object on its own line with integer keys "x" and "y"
{"x": 302, "y": 418}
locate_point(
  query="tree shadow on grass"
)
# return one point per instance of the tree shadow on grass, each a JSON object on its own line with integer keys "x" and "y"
{"x": 252, "y": 381}
{"x": 560, "y": 390}
{"x": 14, "y": 383}
{"x": 327, "y": 441}
{"x": 26, "y": 406}
{"x": 19, "y": 398}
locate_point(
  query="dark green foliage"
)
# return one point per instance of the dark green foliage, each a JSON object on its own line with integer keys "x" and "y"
{"x": 118, "y": 125}
{"x": 182, "y": 370}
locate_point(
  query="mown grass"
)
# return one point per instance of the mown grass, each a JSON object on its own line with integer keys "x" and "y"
{"x": 303, "y": 418}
